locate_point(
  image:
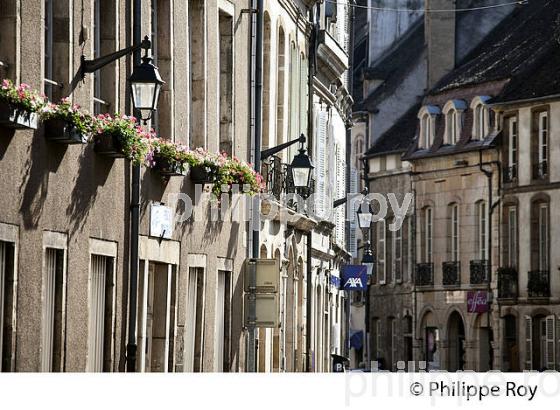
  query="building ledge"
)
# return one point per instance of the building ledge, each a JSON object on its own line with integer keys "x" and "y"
{"x": 332, "y": 59}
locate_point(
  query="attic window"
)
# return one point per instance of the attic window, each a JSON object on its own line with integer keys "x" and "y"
{"x": 453, "y": 111}
{"x": 427, "y": 117}
{"x": 481, "y": 117}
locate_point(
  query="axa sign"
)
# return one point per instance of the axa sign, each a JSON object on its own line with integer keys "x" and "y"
{"x": 354, "y": 277}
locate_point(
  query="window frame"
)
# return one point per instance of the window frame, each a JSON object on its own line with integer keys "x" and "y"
{"x": 381, "y": 251}
{"x": 428, "y": 234}
{"x": 454, "y": 233}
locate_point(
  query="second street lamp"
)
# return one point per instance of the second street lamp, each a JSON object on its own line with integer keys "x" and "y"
{"x": 301, "y": 168}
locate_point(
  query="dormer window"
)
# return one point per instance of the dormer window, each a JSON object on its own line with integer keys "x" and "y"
{"x": 481, "y": 120}
{"x": 427, "y": 117}
{"x": 453, "y": 111}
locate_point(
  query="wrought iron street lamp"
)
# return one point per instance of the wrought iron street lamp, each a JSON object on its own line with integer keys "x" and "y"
{"x": 145, "y": 81}
{"x": 364, "y": 216}
{"x": 145, "y": 86}
{"x": 301, "y": 168}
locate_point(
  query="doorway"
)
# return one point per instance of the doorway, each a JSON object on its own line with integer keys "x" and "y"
{"x": 456, "y": 346}
{"x": 157, "y": 316}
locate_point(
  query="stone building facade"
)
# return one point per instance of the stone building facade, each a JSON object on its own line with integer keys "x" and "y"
{"x": 478, "y": 149}
{"x": 65, "y": 220}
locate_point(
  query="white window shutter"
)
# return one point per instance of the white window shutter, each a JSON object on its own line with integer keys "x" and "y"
{"x": 550, "y": 345}
{"x": 558, "y": 343}
{"x": 528, "y": 343}
{"x": 321, "y": 159}
{"x": 353, "y": 245}
{"x": 340, "y": 189}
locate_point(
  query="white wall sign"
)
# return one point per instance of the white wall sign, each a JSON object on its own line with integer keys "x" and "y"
{"x": 161, "y": 221}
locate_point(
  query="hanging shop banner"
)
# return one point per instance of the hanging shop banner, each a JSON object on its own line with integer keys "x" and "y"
{"x": 477, "y": 301}
{"x": 354, "y": 277}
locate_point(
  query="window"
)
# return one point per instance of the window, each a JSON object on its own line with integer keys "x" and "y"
{"x": 427, "y": 117}
{"x": 512, "y": 236}
{"x": 396, "y": 252}
{"x": 542, "y": 163}
{"x": 266, "y": 100}
{"x": 226, "y": 84}
{"x": 7, "y": 305}
{"x": 101, "y": 314}
{"x": 512, "y": 147}
{"x": 481, "y": 230}
{"x": 281, "y": 64}
{"x": 394, "y": 347}
{"x": 543, "y": 237}
{"x": 453, "y": 232}
{"x": 54, "y": 297}
{"x": 98, "y": 103}
{"x": 223, "y": 322}
{"x": 197, "y": 71}
{"x": 194, "y": 324}
{"x": 452, "y": 127}
{"x": 428, "y": 235}
{"x": 426, "y": 137}
{"x": 48, "y": 57}
{"x": 481, "y": 120}
{"x": 409, "y": 244}
{"x": 381, "y": 251}
{"x": 104, "y": 29}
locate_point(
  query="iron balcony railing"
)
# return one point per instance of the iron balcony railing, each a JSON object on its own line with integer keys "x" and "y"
{"x": 540, "y": 170}
{"x": 424, "y": 274}
{"x": 479, "y": 272}
{"x": 451, "y": 273}
{"x": 279, "y": 181}
{"x": 510, "y": 174}
{"x": 507, "y": 283}
{"x": 538, "y": 285}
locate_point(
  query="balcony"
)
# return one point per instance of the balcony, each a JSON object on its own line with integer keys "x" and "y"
{"x": 540, "y": 170}
{"x": 507, "y": 283}
{"x": 510, "y": 174}
{"x": 424, "y": 274}
{"x": 479, "y": 272}
{"x": 451, "y": 273}
{"x": 538, "y": 285}
{"x": 279, "y": 181}
{"x": 332, "y": 59}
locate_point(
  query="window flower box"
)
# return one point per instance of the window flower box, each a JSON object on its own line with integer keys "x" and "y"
{"x": 17, "y": 118}
{"x": 19, "y": 105}
{"x": 108, "y": 145}
{"x": 169, "y": 168}
{"x": 63, "y": 132}
{"x": 201, "y": 174}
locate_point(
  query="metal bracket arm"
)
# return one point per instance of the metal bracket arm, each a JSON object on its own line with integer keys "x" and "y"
{"x": 271, "y": 151}
{"x": 90, "y": 66}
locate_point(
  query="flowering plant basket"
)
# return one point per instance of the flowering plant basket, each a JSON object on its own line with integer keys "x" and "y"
{"x": 19, "y": 105}
{"x": 119, "y": 137}
{"x": 223, "y": 171}
{"x": 168, "y": 158}
{"x": 67, "y": 123}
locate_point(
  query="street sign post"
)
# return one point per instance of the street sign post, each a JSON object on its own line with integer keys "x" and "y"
{"x": 261, "y": 284}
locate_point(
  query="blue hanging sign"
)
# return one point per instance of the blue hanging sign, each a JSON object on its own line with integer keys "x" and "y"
{"x": 354, "y": 277}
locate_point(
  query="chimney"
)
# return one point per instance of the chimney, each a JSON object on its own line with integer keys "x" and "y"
{"x": 440, "y": 39}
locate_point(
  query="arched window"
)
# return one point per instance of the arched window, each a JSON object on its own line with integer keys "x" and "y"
{"x": 428, "y": 234}
{"x": 266, "y": 83}
{"x": 481, "y": 117}
{"x": 481, "y": 224}
{"x": 453, "y": 111}
{"x": 280, "y": 86}
{"x": 427, "y": 117}
{"x": 453, "y": 232}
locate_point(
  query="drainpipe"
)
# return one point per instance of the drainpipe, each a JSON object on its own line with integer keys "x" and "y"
{"x": 134, "y": 216}
{"x": 252, "y": 331}
{"x": 310, "y": 77}
{"x": 491, "y": 206}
